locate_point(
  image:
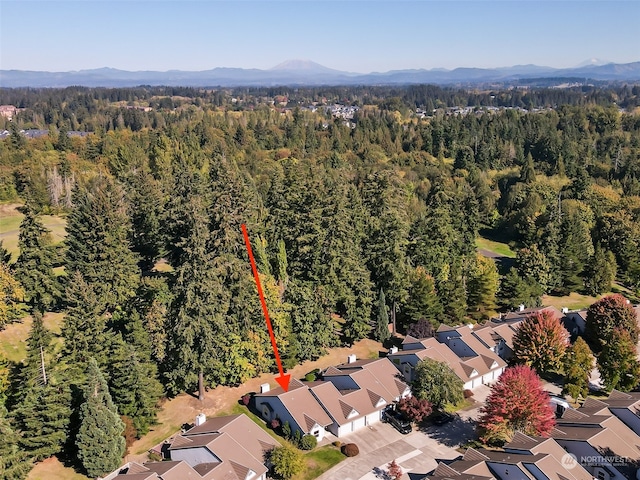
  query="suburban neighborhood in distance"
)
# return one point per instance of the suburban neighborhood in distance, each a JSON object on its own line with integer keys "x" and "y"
{"x": 312, "y": 240}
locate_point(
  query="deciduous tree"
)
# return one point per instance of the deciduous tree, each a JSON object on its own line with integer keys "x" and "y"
{"x": 287, "y": 461}
{"x": 618, "y": 362}
{"x": 435, "y": 381}
{"x": 414, "y": 408}
{"x": 578, "y": 364}
{"x": 604, "y": 316}
{"x": 540, "y": 342}
{"x": 517, "y": 402}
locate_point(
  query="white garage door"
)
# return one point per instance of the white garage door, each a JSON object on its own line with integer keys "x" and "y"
{"x": 357, "y": 424}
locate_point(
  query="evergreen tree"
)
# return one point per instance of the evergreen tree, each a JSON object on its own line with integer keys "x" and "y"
{"x": 43, "y": 408}
{"x": 146, "y": 209}
{"x": 527, "y": 172}
{"x": 11, "y": 293}
{"x": 5, "y": 255}
{"x": 578, "y": 365}
{"x": 422, "y": 300}
{"x": 382, "y": 319}
{"x": 483, "y": 286}
{"x": 195, "y": 320}
{"x": 15, "y": 462}
{"x": 281, "y": 264}
{"x": 600, "y": 272}
{"x": 100, "y": 443}
{"x": 312, "y": 327}
{"x": 84, "y": 326}
{"x": 135, "y": 388}
{"x": 98, "y": 232}
{"x": 618, "y": 362}
{"x": 34, "y": 266}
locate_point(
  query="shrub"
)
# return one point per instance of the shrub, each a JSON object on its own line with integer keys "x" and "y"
{"x": 308, "y": 442}
{"x": 310, "y": 377}
{"x": 246, "y": 398}
{"x": 337, "y": 443}
{"x": 468, "y": 393}
{"x": 350, "y": 449}
{"x": 275, "y": 423}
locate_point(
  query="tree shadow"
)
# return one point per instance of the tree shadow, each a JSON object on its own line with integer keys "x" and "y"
{"x": 453, "y": 434}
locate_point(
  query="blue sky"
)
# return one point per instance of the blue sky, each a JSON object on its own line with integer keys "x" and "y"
{"x": 353, "y": 35}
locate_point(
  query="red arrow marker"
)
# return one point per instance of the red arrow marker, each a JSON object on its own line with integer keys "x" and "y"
{"x": 283, "y": 379}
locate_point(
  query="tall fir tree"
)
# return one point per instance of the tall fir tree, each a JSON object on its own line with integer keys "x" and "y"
{"x": 382, "y": 319}
{"x": 42, "y": 412}
{"x": 15, "y": 462}
{"x": 98, "y": 246}
{"x": 135, "y": 388}
{"x": 100, "y": 443}
{"x": 34, "y": 266}
{"x": 195, "y": 319}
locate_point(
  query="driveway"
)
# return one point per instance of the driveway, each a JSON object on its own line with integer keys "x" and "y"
{"x": 379, "y": 444}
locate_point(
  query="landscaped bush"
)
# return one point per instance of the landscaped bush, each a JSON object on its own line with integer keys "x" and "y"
{"x": 350, "y": 449}
{"x": 337, "y": 443}
{"x": 308, "y": 442}
{"x": 246, "y": 398}
{"x": 310, "y": 377}
{"x": 275, "y": 423}
{"x": 468, "y": 393}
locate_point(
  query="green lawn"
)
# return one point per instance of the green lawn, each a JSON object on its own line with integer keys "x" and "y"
{"x": 319, "y": 461}
{"x": 10, "y": 226}
{"x": 499, "y": 248}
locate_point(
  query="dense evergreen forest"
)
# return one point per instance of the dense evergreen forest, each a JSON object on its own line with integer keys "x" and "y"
{"x": 350, "y": 218}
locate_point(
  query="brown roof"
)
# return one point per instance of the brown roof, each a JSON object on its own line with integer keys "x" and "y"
{"x": 300, "y": 403}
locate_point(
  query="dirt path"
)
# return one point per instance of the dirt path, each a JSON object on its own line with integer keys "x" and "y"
{"x": 184, "y": 408}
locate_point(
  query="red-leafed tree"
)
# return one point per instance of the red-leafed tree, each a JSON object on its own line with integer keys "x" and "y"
{"x": 604, "y": 316}
{"x": 414, "y": 408}
{"x": 394, "y": 470}
{"x": 541, "y": 342}
{"x": 517, "y": 402}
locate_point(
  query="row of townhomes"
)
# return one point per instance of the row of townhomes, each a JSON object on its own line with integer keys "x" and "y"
{"x": 600, "y": 440}
{"x": 351, "y": 396}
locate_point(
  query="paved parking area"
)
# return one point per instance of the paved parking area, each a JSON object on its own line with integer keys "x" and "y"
{"x": 417, "y": 453}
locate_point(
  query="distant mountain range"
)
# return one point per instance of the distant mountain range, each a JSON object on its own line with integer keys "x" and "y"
{"x": 305, "y": 72}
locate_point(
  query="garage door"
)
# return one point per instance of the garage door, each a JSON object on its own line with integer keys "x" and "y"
{"x": 357, "y": 424}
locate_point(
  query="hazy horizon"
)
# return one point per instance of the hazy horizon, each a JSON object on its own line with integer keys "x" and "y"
{"x": 352, "y": 36}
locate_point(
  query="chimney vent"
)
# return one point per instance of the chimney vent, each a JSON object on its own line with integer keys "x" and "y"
{"x": 565, "y": 310}
{"x": 351, "y": 358}
{"x": 393, "y": 350}
{"x": 200, "y": 419}
{"x": 264, "y": 388}
{"x": 521, "y": 307}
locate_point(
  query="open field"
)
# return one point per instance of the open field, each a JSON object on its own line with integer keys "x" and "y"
{"x": 53, "y": 469}
{"x": 500, "y": 249}
{"x": 10, "y": 219}
{"x": 12, "y": 338}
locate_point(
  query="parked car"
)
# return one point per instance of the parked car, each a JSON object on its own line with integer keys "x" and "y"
{"x": 397, "y": 419}
{"x": 440, "y": 418}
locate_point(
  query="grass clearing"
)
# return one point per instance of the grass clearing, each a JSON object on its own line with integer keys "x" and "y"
{"x": 498, "y": 248}
{"x": 13, "y": 338}
{"x": 573, "y": 301}
{"x": 10, "y": 219}
{"x": 319, "y": 461}
{"x": 53, "y": 469}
